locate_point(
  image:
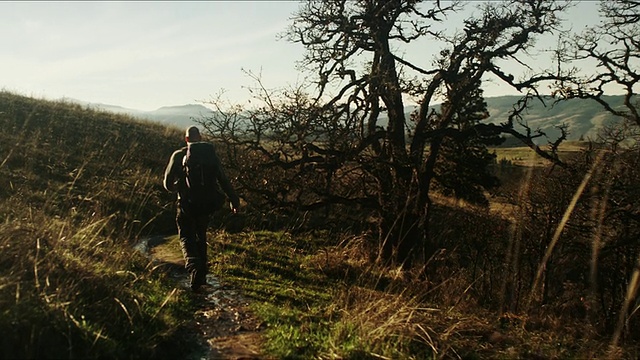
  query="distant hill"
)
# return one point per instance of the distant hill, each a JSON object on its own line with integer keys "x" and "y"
{"x": 583, "y": 117}
{"x": 180, "y": 115}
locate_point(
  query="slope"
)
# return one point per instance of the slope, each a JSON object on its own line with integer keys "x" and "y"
{"x": 77, "y": 188}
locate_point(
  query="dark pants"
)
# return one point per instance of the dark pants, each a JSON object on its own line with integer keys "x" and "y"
{"x": 193, "y": 241}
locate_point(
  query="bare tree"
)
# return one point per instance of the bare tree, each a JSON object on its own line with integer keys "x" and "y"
{"x": 354, "y": 133}
{"x": 612, "y": 48}
{"x": 337, "y": 32}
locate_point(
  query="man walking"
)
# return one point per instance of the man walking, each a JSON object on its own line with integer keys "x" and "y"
{"x": 196, "y": 174}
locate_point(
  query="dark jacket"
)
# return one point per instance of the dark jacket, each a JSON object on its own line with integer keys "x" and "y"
{"x": 174, "y": 176}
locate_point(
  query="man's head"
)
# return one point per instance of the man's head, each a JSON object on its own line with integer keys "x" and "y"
{"x": 192, "y": 134}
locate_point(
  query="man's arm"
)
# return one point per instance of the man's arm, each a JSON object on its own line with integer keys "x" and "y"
{"x": 173, "y": 172}
{"x": 225, "y": 184}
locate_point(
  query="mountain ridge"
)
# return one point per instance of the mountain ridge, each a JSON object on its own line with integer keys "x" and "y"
{"x": 177, "y": 115}
{"x": 582, "y": 118}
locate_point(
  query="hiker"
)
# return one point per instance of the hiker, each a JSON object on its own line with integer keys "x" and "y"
{"x": 198, "y": 199}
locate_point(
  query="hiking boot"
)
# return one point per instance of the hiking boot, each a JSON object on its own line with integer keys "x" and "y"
{"x": 194, "y": 285}
{"x": 201, "y": 288}
{"x": 197, "y": 282}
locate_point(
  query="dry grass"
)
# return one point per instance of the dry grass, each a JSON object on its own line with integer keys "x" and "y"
{"x": 396, "y": 317}
{"x": 82, "y": 186}
{"x": 78, "y": 187}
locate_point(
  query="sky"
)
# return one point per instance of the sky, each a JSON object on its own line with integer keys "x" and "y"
{"x": 144, "y": 55}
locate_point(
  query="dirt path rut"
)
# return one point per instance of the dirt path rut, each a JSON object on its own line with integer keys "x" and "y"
{"x": 223, "y": 323}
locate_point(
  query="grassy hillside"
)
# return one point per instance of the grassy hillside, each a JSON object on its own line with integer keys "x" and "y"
{"x": 77, "y": 188}
{"x": 78, "y": 162}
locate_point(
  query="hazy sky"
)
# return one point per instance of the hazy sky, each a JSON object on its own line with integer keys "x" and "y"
{"x": 147, "y": 54}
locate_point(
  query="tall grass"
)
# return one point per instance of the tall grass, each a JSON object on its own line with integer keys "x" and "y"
{"x": 71, "y": 292}
{"x": 79, "y": 187}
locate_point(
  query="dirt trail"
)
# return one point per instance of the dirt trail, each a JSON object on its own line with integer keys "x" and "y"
{"x": 223, "y": 323}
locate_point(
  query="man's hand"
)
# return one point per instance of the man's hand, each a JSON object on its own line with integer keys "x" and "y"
{"x": 234, "y": 207}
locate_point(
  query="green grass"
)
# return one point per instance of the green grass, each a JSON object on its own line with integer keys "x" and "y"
{"x": 322, "y": 300}
{"x": 310, "y": 302}
{"x": 72, "y": 292}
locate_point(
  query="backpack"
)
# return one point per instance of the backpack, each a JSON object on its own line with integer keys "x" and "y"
{"x": 202, "y": 194}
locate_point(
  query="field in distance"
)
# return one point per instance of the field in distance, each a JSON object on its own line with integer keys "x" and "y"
{"x": 525, "y": 156}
